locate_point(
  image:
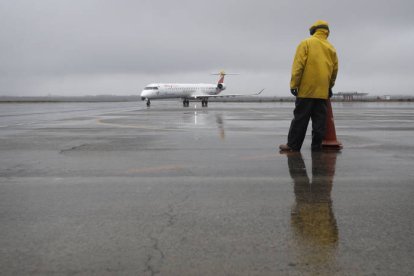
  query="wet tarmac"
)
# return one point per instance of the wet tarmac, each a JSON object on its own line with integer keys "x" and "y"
{"x": 116, "y": 188}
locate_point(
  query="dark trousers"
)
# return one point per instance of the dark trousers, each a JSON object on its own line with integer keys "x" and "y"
{"x": 306, "y": 109}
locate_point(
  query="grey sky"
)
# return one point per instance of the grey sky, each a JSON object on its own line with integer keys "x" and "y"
{"x": 78, "y": 47}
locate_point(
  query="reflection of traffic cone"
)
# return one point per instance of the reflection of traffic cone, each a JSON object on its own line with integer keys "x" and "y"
{"x": 329, "y": 141}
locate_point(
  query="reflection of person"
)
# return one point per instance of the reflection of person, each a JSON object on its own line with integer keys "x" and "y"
{"x": 314, "y": 71}
{"x": 313, "y": 222}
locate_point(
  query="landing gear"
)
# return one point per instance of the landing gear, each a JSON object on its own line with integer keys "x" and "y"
{"x": 148, "y": 102}
{"x": 204, "y": 102}
{"x": 186, "y": 103}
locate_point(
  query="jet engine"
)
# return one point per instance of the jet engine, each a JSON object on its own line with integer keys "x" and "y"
{"x": 221, "y": 86}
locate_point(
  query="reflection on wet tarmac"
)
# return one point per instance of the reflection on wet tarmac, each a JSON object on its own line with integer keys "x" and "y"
{"x": 314, "y": 228}
{"x": 220, "y": 125}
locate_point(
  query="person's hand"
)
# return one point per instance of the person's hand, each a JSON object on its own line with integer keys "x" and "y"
{"x": 330, "y": 93}
{"x": 294, "y": 91}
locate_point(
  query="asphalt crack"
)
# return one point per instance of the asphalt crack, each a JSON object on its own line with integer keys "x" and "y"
{"x": 73, "y": 148}
{"x": 156, "y": 256}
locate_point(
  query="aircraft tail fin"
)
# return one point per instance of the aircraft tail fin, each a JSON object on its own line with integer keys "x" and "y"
{"x": 222, "y": 74}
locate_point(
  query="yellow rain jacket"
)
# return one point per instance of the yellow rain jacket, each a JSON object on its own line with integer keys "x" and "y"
{"x": 315, "y": 65}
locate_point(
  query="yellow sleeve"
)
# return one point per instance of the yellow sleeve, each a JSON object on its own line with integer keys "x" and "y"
{"x": 334, "y": 72}
{"x": 298, "y": 66}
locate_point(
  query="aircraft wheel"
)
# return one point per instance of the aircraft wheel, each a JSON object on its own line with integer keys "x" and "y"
{"x": 148, "y": 102}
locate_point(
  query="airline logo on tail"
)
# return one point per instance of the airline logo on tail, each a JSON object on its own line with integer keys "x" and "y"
{"x": 222, "y": 74}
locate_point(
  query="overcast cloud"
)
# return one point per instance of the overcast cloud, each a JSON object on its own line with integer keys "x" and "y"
{"x": 79, "y": 47}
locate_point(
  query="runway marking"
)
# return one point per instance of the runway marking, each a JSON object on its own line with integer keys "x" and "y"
{"x": 99, "y": 121}
{"x": 258, "y": 111}
{"x": 158, "y": 169}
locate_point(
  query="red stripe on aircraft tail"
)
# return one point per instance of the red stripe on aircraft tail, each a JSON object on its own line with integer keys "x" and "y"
{"x": 221, "y": 80}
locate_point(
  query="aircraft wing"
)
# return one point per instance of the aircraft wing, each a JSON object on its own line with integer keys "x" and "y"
{"x": 199, "y": 96}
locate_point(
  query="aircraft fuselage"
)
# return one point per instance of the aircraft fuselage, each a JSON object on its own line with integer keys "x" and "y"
{"x": 177, "y": 90}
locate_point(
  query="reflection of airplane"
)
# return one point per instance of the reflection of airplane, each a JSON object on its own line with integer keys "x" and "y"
{"x": 199, "y": 91}
{"x": 313, "y": 222}
{"x": 220, "y": 125}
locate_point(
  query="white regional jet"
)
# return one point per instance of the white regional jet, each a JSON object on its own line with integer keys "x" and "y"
{"x": 187, "y": 91}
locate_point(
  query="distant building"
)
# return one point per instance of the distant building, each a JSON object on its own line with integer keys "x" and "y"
{"x": 407, "y": 98}
{"x": 350, "y": 96}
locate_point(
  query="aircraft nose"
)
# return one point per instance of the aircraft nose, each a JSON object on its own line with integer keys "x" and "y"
{"x": 144, "y": 94}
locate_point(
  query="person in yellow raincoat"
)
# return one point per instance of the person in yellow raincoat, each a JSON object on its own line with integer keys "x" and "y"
{"x": 314, "y": 71}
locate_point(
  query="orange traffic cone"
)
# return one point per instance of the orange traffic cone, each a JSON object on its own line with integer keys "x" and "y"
{"x": 330, "y": 141}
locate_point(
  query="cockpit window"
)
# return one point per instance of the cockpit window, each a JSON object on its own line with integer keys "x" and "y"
{"x": 151, "y": 88}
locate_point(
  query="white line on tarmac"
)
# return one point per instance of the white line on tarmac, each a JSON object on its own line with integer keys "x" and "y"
{"x": 99, "y": 121}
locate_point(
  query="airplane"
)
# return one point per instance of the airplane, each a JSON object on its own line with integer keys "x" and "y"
{"x": 199, "y": 91}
